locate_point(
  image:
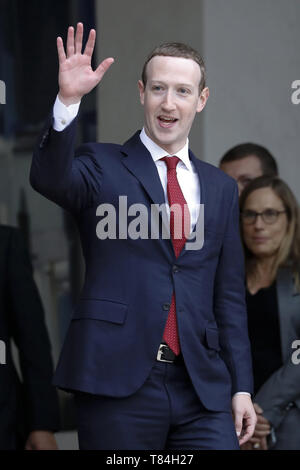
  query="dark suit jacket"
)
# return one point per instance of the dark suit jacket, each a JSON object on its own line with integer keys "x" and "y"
{"x": 118, "y": 324}
{"x": 32, "y": 405}
{"x": 282, "y": 389}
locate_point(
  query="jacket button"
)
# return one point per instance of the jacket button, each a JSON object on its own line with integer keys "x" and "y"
{"x": 175, "y": 269}
{"x": 166, "y": 307}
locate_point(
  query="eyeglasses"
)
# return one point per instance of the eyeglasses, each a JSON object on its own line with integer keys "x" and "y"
{"x": 269, "y": 216}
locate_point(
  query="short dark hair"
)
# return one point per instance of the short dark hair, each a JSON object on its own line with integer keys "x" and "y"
{"x": 177, "y": 49}
{"x": 267, "y": 161}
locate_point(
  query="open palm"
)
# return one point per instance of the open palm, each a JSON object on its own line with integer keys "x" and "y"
{"x": 76, "y": 76}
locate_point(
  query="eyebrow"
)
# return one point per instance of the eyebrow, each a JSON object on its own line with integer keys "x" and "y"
{"x": 186, "y": 85}
{"x": 265, "y": 209}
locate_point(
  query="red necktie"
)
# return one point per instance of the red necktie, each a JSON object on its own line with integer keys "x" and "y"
{"x": 179, "y": 225}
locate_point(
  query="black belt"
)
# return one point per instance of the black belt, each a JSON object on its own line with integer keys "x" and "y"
{"x": 165, "y": 354}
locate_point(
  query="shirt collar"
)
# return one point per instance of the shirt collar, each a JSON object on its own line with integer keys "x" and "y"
{"x": 157, "y": 152}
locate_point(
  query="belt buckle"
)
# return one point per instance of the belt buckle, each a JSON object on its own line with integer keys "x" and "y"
{"x": 160, "y": 353}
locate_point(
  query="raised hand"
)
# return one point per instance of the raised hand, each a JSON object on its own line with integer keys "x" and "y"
{"x": 76, "y": 77}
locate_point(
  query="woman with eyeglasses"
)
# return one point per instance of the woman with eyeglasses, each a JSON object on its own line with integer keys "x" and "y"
{"x": 270, "y": 229}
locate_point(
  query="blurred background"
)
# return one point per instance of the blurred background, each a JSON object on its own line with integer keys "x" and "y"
{"x": 252, "y": 59}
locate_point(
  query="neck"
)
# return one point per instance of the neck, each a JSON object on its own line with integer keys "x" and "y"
{"x": 264, "y": 266}
{"x": 262, "y": 276}
{"x": 168, "y": 148}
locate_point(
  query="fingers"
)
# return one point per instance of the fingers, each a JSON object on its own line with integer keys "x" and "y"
{"x": 263, "y": 444}
{"x": 262, "y": 420}
{"x": 70, "y": 42}
{"x": 258, "y": 444}
{"x": 261, "y": 433}
{"x": 248, "y": 428}
{"x": 254, "y": 440}
{"x": 257, "y": 408}
{"x": 238, "y": 423}
{"x": 73, "y": 61}
{"x": 74, "y": 45}
{"x": 78, "y": 38}
{"x": 89, "y": 48}
{"x": 60, "y": 50}
{"x": 248, "y": 432}
{"x": 262, "y": 427}
{"x": 103, "y": 67}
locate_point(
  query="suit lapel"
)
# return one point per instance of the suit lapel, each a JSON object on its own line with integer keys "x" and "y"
{"x": 203, "y": 186}
{"x": 140, "y": 163}
{"x": 286, "y": 307}
{"x": 203, "y": 192}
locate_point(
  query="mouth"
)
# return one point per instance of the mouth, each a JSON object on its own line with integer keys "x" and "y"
{"x": 260, "y": 239}
{"x": 167, "y": 122}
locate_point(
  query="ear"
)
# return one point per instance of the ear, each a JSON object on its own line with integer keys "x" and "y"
{"x": 203, "y": 97}
{"x": 142, "y": 91}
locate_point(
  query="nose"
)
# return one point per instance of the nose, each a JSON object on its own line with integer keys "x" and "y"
{"x": 168, "y": 103}
{"x": 259, "y": 223}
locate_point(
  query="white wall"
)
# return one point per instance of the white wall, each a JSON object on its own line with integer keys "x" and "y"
{"x": 128, "y": 31}
{"x": 252, "y": 56}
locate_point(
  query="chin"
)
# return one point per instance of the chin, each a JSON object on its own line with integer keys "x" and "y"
{"x": 261, "y": 253}
{"x": 165, "y": 143}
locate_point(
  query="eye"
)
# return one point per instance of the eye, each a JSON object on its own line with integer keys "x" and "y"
{"x": 156, "y": 88}
{"x": 245, "y": 181}
{"x": 248, "y": 216}
{"x": 248, "y": 213}
{"x": 271, "y": 212}
{"x": 183, "y": 91}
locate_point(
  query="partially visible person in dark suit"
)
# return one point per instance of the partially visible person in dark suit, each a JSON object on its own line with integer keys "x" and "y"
{"x": 270, "y": 226}
{"x": 29, "y": 412}
{"x": 244, "y": 162}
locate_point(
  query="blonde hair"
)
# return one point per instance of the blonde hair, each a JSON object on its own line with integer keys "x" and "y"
{"x": 288, "y": 253}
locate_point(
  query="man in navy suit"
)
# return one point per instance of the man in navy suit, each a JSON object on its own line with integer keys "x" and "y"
{"x": 157, "y": 353}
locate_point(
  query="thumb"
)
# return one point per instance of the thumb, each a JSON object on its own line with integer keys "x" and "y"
{"x": 238, "y": 422}
{"x": 103, "y": 67}
{"x": 257, "y": 408}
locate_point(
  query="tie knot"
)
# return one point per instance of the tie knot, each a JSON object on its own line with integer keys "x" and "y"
{"x": 171, "y": 162}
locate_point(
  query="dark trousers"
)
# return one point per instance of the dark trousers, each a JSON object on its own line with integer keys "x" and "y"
{"x": 165, "y": 413}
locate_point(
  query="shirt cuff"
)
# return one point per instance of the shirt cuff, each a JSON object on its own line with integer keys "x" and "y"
{"x": 242, "y": 393}
{"x": 63, "y": 115}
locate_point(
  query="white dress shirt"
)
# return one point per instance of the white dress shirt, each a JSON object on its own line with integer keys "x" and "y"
{"x": 63, "y": 115}
{"x": 186, "y": 173}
